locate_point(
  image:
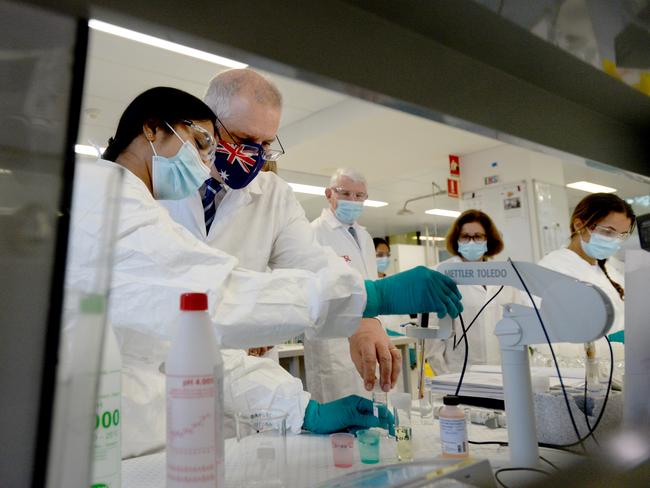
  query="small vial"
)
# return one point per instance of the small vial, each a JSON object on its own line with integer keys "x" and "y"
{"x": 453, "y": 429}
{"x": 592, "y": 367}
{"x": 379, "y": 398}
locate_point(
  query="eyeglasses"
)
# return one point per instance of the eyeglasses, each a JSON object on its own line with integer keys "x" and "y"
{"x": 268, "y": 154}
{"x": 205, "y": 142}
{"x": 383, "y": 254}
{"x": 609, "y": 232}
{"x": 478, "y": 238}
{"x": 358, "y": 195}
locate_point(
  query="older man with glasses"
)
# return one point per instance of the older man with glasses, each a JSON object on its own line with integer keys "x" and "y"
{"x": 330, "y": 371}
{"x": 255, "y": 216}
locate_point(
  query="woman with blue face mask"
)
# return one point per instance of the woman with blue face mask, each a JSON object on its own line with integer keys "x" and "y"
{"x": 599, "y": 225}
{"x": 169, "y": 147}
{"x": 473, "y": 237}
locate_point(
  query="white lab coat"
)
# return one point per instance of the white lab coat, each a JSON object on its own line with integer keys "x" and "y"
{"x": 483, "y": 343}
{"x": 155, "y": 260}
{"x": 569, "y": 263}
{"x": 329, "y": 370}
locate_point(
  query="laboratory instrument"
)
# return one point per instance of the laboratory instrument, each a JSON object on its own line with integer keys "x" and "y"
{"x": 560, "y": 300}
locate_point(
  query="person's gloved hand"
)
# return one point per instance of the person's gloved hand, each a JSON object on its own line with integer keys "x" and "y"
{"x": 348, "y": 412}
{"x": 417, "y": 290}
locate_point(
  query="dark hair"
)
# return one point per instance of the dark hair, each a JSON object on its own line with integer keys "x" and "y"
{"x": 379, "y": 240}
{"x": 154, "y": 107}
{"x": 494, "y": 241}
{"x": 594, "y": 208}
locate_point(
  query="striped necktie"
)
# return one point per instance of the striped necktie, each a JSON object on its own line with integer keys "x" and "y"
{"x": 353, "y": 231}
{"x": 212, "y": 187}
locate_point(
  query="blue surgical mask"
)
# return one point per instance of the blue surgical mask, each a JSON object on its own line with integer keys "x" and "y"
{"x": 600, "y": 247}
{"x": 348, "y": 211}
{"x": 472, "y": 251}
{"x": 238, "y": 164}
{"x": 383, "y": 263}
{"x": 178, "y": 176}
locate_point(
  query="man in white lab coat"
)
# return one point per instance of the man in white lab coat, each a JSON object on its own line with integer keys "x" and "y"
{"x": 255, "y": 216}
{"x": 330, "y": 373}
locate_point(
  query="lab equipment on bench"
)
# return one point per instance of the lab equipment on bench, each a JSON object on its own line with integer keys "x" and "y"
{"x": 194, "y": 373}
{"x": 559, "y": 300}
{"x": 401, "y": 403}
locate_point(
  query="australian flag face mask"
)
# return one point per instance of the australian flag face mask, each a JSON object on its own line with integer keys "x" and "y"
{"x": 238, "y": 164}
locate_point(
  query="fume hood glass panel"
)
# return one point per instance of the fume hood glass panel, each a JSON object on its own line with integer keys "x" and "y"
{"x": 37, "y": 71}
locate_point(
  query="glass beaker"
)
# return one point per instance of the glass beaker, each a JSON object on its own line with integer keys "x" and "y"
{"x": 369, "y": 446}
{"x": 342, "y": 449}
{"x": 403, "y": 434}
{"x": 262, "y": 447}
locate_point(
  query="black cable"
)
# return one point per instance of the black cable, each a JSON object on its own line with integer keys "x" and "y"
{"x": 462, "y": 373}
{"x": 591, "y": 432}
{"x": 476, "y": 316}
{"x": 503, "y": 470}
{"x": 557, "y": 366}
{"x": 593, "y": 435}
{"x": 549, "y": 463}
{"x": 485, "y": 443}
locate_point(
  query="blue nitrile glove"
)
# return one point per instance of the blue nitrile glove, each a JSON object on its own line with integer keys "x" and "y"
{"x": 348, "y": 412}
{"x": 417, "y": 290}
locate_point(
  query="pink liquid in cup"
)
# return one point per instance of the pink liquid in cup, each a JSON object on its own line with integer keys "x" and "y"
{"x": 342, "y": 449}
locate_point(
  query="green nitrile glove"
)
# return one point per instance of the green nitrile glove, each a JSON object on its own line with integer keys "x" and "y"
{"x": 348, "y": 412}
{"x": 617, "y": 336}
{"x": 417, "y": 290}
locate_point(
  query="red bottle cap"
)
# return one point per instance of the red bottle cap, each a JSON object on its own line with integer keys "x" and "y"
{"x": 194, "y": 301}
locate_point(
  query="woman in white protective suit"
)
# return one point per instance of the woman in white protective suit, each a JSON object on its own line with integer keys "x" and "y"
{"x": 473, "y": 237}
{"x": 599, "y": 225}
{"x": 165, "y": 140}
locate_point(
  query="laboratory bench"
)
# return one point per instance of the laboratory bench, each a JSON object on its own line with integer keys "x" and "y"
{"x": 310, "y": 462}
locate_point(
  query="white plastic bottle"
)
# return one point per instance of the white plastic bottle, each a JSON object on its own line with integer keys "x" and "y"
{"x": 194, "y": 413}
{"x": 453, "y": 429}
{"x": 107, "y": 455}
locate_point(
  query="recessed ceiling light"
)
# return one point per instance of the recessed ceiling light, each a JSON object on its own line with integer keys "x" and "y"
{"x": 89, "y": 150}
{"x": 590, "y": 187}
{"x": 429, "y": 238}
{"x": 163, "y": 44}
{"x": 443, "y": 212}
{"x": 309, "y": 189}
{"x": 320, "y": 190}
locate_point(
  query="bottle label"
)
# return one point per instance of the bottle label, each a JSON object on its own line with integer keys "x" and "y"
{"x": 191, "y": 429}
{"x": 107, "y": 454}
{"x": 453, "y": 436}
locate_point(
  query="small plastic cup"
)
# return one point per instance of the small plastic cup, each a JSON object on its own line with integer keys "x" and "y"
{"x": 342, "y": 449}
{"x": 369, "y": 446}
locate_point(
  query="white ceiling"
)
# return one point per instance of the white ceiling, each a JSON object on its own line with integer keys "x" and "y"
{"x": 400, "y": 154}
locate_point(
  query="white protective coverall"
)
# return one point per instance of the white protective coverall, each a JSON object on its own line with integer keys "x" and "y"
{"x": 156, "y": 259}
{"x": 568, "y": 262}
{"x": 483, "y": 343}
{"x": 329, "y": 371}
